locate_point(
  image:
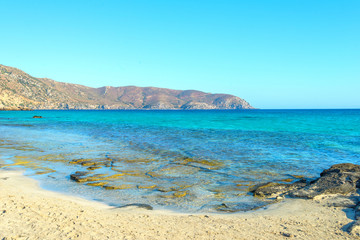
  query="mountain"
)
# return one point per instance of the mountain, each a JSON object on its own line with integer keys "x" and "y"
{"x": 19, "y": 90}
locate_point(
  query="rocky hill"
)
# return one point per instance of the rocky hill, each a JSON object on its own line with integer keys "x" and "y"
{"x": 19, "y": 90}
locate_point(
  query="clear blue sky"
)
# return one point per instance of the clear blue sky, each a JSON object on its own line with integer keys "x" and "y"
{"x": 273, "y": 53}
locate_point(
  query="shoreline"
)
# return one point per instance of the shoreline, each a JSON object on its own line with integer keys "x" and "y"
{"x": 29, "y": 212}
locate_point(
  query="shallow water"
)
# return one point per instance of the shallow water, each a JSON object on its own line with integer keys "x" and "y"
{"x": 193, "y": 161}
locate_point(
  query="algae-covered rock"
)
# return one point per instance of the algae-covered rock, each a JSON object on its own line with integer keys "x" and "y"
{"x": 91, "y": 163}
{"x": 117, "y": 187}
{"x": 275, "y": 189}
{"x": 44, "y": 172}
{"x": 146, "y": 186}
{"x": 81, "y": 176}
{"x": 79, "y": 161}
{"x": 180, "y": 194}
{"x": 97, "y": 184}
{"x": 93, "y": 168}
{"x": 78, "y": 176}
{"x": 115, "y": 176}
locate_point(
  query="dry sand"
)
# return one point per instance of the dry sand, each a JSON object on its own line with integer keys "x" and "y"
{"x": 28, "y": 212}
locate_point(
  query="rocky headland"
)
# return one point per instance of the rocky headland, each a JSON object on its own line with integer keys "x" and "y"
{"x": 20, "y": 91}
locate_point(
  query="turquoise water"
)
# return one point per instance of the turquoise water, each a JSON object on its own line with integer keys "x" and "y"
{"x": 192, "y": 161}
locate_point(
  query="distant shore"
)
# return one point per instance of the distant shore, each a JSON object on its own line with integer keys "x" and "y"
{"x": 15, "y": 109}
{"x": 29, "y": 212}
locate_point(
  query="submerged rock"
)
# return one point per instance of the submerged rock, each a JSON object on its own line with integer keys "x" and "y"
{"x": 91, "y": 163}
{"x": 78, "y": 176}
{"x": 81, "y": 176}
{"x": 180, "y": 194}
{"x": 138, "y": 205}
{"x": 231, "y": 207}
{"x": 97, "y": 184}
{"x": 117, "y": 187}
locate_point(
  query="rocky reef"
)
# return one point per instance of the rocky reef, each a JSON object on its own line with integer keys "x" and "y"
{"x": 20, "y": 91}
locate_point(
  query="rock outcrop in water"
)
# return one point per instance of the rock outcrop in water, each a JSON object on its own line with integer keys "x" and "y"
{"x": 340, "y": 178}
{"x": 20, "y": 91}
{"x": 275, "y": 189}
{"x": 341, "y": 181}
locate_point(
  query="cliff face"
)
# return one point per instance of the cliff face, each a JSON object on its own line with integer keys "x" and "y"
{"x": 19, "y": 90}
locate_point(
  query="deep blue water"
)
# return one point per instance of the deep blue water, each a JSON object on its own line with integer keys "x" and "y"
{"x": 182, "y": 160}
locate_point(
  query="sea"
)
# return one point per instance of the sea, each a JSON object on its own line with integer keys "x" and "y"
{"x": 200, "y": 161}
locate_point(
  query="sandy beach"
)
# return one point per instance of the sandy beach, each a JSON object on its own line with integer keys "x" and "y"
{"x": 29, "y": 212}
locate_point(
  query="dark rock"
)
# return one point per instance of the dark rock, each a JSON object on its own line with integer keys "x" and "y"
{"x": 275, "y": 189}
{"x": 232, "y": 207}
{"x": 37, "y": 117}
{"x": 331, "y": 182}
{"x": 339, "y": 179}
{"x": 286, "y": 234}
{"x": 78, "y": 176}
{"x": 342, "y": 168}
{"x": 139, "y": 205}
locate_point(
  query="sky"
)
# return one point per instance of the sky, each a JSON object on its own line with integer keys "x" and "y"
{"x": 273, "y": 53}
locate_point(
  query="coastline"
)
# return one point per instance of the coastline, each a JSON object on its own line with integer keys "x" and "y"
{"x": 29, "y": 212}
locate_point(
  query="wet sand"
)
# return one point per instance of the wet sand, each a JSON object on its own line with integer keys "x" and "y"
{"x": 29, "y": 212}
